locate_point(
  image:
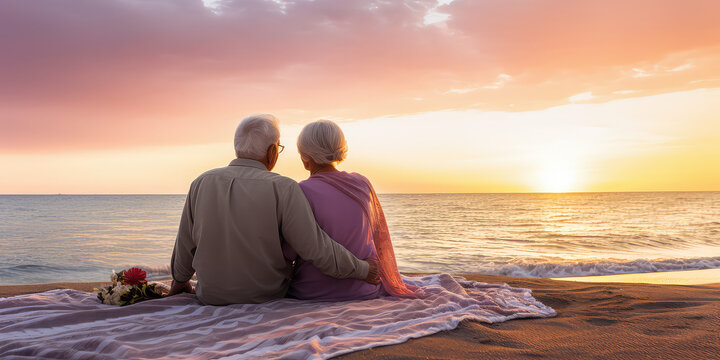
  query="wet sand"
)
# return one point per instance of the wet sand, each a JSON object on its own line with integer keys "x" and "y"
{"x": 689, "y": 277}
{"x": 595, "y": 320}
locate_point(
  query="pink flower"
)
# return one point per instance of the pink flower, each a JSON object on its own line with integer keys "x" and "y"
{"x": 134, "y": 276}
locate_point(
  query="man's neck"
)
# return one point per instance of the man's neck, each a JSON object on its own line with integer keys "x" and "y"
{"x": 263, "y": 162}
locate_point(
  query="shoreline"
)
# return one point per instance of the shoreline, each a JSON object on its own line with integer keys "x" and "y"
{"x": 684, "y": 277}
{"x": 595, "y": 319}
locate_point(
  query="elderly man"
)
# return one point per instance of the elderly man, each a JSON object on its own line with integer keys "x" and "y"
{"x": 236, "y": 219}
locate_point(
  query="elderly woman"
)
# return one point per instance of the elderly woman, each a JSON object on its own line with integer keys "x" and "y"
{"x": 346, "y": 208}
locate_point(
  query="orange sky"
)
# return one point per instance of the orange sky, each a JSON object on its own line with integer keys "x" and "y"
{"x": 458, "y": 96}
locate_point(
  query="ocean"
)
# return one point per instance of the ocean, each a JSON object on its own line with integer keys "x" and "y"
{"x": 72, "y": 238}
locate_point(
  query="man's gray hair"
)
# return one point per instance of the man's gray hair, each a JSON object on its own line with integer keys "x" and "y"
{"x": 323, "y": 142}
{"x": 254, "y": 135}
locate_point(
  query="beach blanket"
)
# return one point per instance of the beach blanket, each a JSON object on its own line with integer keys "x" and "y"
{"x": 70, "y": 324}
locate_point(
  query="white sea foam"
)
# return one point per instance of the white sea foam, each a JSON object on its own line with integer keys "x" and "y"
{"x": 543, "y": 269}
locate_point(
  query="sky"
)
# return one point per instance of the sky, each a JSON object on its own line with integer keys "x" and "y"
{"x": 129, "y": 96}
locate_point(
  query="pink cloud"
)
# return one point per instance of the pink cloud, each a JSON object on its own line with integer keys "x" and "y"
{"x": 97, "y": 74}
{"x": 567, "y": 34}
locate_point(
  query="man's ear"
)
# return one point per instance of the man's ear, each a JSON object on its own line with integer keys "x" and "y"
{"x": 271, "y": 156}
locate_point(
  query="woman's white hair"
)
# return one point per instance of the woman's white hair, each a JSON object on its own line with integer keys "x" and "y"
{"x": 255, "y": 134}
{"x": 323, "y": 142}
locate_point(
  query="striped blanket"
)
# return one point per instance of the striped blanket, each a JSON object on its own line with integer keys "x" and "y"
{"x": 69, "y": 324}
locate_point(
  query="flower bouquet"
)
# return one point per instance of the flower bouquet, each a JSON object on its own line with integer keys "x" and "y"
{"x": 128, "y": 287}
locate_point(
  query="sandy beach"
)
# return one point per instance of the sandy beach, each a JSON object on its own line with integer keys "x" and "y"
{"x": 595, "y": 320}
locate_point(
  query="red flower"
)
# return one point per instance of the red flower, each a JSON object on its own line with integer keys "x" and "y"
{"x": 134, "y": 276}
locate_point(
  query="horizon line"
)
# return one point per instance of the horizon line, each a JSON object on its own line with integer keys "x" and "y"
{"x": 395, "y": 193}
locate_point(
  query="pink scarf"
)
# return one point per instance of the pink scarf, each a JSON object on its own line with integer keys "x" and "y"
{"x": 358, "y": 188}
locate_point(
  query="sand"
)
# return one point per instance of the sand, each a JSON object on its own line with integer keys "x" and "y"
{"x": 595, "y": 320}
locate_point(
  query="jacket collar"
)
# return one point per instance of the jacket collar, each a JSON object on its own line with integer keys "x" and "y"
{"x": 248, "y": 162}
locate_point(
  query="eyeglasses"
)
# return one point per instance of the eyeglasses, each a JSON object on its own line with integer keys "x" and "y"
{"x": 281, "y": 148}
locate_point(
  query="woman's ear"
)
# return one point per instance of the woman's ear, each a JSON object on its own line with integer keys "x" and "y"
{"x": 306, "y": 163}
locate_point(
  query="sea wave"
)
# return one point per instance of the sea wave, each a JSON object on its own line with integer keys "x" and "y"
{"x": 514, "y": 267}
{"x": 15, "y": 270}
{"x": 547, "y": 268}
{"x": 541, "y": 268}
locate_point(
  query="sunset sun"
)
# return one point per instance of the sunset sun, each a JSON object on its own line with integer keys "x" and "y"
{"x": 557, "y": 178}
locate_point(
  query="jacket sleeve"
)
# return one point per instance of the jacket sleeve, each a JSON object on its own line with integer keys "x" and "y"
{"x": 311, "y": 243}
{"x": 184, "y": 250}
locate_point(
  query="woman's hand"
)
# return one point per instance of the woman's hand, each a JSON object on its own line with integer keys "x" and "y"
{"x": 177, "y": 288}
{"x": 373, "y": 276}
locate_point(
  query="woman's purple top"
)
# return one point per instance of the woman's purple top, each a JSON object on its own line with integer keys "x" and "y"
{"x": 345, "y": 221}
